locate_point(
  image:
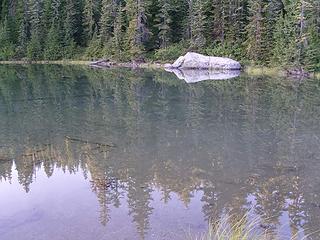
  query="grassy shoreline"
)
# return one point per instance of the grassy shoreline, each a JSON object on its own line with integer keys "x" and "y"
{"x": 250, "y": 70}
{"x": 149, "y": 65}
{"x": 60, "y": 62}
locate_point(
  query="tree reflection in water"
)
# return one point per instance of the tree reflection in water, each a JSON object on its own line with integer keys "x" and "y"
{"x": 251, "y": 142}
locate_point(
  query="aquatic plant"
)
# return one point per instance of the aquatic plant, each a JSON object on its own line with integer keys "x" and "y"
{"x": 231, "y": 227}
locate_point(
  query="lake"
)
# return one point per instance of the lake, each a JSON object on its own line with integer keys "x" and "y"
{"x": 140, "y": 154}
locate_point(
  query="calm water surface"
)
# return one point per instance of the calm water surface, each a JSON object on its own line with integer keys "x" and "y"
{"x": 123, "y": 154}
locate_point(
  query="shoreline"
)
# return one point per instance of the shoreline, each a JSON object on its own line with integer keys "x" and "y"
{"x": 250, "y": 70}
{"x": 46, "y": 62}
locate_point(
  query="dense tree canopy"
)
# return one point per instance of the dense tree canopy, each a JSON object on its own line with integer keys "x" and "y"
{"x": 264, "y": 32}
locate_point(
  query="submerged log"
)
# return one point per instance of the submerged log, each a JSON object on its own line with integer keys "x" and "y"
{"x": 90, "y": 142}
{"x": 5, "y": 159}
{"x": 108, "y": 64}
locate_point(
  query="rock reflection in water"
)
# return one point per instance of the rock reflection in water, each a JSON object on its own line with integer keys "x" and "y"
{"x": 197, "y": 75}
{"x": 184, "y": 154}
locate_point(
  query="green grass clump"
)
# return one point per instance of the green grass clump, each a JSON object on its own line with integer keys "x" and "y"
{"x": 229, "y": 227}
{"x": 264, "y": 71}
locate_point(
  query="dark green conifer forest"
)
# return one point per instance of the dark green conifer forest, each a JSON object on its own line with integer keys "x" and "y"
{"x": 282, "y": 33}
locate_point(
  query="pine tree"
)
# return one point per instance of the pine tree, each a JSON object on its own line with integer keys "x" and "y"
{"x": 56, "y": 11}
{"x": 69, "y": 48}
{"x": 47, "y": 14}
{"x": 53, "y": 46}
{"x": 237, "y": 21}
{"x": 72, "y": 28}
{"x": 72, "y": 23}
{"x": 312, "y": 55}
{"x": 137, "y": 32}
{"x": 1, "y": 2}
{"x": 117, "y": 39}
{"x": 256, "y": 31}
{"x": 296, "y": 36}
{"x": 284, "y": 38}
{"x": 216, "y": 20}
{"x": 34, "y": 49}
{"x": 6, "y": 46}
{"x": 52, "y": 50}
{"x": 94, "y": 47}
{"x": 90, "y": 13}
{"x": 272, "y": 12}
{"x": 197, "y": 24}
{"x": 164, "y": 20}
{"x": 4, "y": 10}
{"x": 8, "y": 29}
{"x": 35, "y": 12}
{"x": 316, "y": 15}
{"x": 107, "y": 19}
{"x": 312, "y": 61}
{"x": 24, "y": 31}
{"x": 179, "y": 18}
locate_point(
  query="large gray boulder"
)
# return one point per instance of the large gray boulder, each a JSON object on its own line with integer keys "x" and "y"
{"x": 198, "y": 61}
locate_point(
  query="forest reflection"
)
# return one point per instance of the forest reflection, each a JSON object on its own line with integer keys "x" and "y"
{"x": 245, "y": 143}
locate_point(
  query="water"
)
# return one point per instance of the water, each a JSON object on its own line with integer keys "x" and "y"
{"x": 123, "y": 154}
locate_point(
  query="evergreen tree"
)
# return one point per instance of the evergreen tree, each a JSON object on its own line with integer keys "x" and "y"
{"x": 72, "y": 28}
{"x": 53, "y": 46}
{"x": 8, "y": 29}
{"x": 56, "y": 11}
{"x": 164, "y": 21}
{"x": 179, "y": 20}
{"x": 72, "y": 23}
{"x": 256, "y": 30}
{"x": 107, "y": 19}
{"x": 302, "y": 10}
{"x": 197, "y": 24}
{"x": 6, "y": 46}
{"x": 34, "y": 48}
{"x": 90, "y": 13}
{"x": 137, "y": 32}
{"x": 216, "y": 20}
{"x": 35, "y": 12}
{"x": 312, "y": 61}
{"x": 94, "y": 48}
{"x": 52, "y": 50}
{"x": 284, "y": 38}
{"x": 292, "y": 37}
{"x": 237, "y": 21}
{"x": 4, "y": 10}
{"x": 24, "y": 31}
{"x": 117, "y": 39}
{"x": 1, "y": 2}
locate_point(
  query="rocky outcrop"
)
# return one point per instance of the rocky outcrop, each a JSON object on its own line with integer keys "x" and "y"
{"x": 197, "y": 75}
{"x": 198, "y": 61}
